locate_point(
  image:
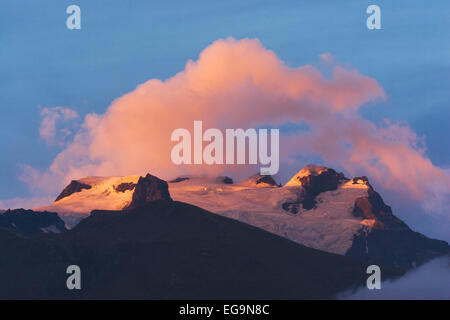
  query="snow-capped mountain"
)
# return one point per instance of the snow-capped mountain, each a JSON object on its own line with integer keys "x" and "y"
{"x": 157, "y": 248}
{"x": 318, "y": 208}
{"x": 82, "y": 196}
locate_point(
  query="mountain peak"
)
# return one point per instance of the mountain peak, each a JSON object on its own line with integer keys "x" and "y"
{"x": 308, "y": 170}
{"x": 73, "y": 187}
{"x": 314, "y": 180}
{"x": 323, "y": 210}
{"x": 258, "y": 180}
{"x": 312, "y": 170}
{"x": 147, "y": 189}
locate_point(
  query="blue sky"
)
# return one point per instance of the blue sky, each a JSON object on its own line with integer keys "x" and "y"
{"x": 124, "y": 43}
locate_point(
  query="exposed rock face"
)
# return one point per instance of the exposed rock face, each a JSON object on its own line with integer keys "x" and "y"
{"x": 314, "y": 180}
{"x": 179, "y": 179}
{"x": 373, "y": 207}
{"x": 171, "y": 250}
{"x": 125, "y": 186}
{"x": 149, "y": 188}
{"x": 266, "y": 180}
{"x": 291, "y": 207}
{"x": 388, "y": 240}
{"x": 74, "y": 186}
{"x": 313, "y": 185}
{"x": 258, "y": 180}
{"x": 226, "y": 180}
{"x": 401, "y": 248}
{"x": 310, "y": 169}
{"x": 29, "y": 221}
{"x": 382, "y": 238}
{"x": 361, "y": 180}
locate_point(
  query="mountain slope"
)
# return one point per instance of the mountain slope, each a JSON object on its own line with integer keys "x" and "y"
{"x": 108, "y": 193}
{"x": 170, "y": 250}
{"x": 29, "y": 221}
{"x": 319, "y": 208}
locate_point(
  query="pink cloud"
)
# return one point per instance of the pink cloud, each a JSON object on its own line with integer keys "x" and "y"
{"x": 25, "y": 203}
{"x": 50, "y": 129}
{"x": 239, "y": 83}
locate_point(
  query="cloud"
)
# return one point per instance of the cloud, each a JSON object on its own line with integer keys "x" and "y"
{"x": 50, "y": 129}
{"x": 26, "y": 203}
{"x": 327, "y": 57}
{"x": 239, "y": 83}
{"x": 429, "y": 281}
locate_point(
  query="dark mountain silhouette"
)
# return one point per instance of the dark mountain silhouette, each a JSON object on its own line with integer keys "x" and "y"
{"x": 170, "y": 250}
{"x": 29, "y": 221}
{"x": 158, "y": 248}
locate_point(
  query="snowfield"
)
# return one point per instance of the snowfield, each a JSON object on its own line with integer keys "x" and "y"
{"x": 102, "y": 195}
{"x": 330, "y": 226}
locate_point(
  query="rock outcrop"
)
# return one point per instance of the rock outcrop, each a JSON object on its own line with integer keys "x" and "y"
{"x": 148, "y": 189}
{"x": 125, "y": 187}
{"x": 313, "y": 185}
{"x": 225, "y": 180}
{"x": 179, "y": 179}
{"x": 381, "y": 238}
{"x": 74, "y": 186}
{"x": 373, "y": 207}
{"x": 314, "y": 180}
{"x": 385, "y": 239}
{"x": 258, "y": 180}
